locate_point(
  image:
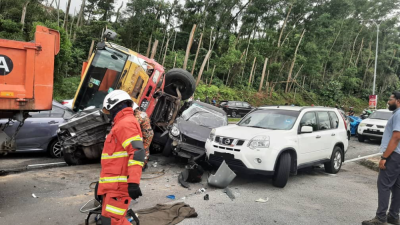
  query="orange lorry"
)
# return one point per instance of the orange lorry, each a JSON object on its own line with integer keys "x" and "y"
{"x": 26, "y": 79}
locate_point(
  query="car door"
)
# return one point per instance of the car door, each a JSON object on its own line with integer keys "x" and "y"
{"x": 239, "y": 108}
{"x": 310, "y": 144}
{"x": 33, "y": 132}
{"x": 326, "y": 134}
{"x": 246, "y": 107}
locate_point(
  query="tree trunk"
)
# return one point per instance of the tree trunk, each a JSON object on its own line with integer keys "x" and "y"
{"x": 254, "y": 75}
{"x": 354, "y": 44}
{"x": 70, "y": 28}
{"x": 58, "y": 14}
{"x": 263, "y": 74}
{"x": 251, "y": 73}
{"x": 394, "y": 54}
{"x": 117, "y": 17}
{"x": 283, "y": 26}
{"x": 166, "y": 50}
{"x": 197, "y": 53}
{"x": 293, "y": 61}
{"x": 304, "y": 80}
{"x": 209, "y": 47}
{"x": 24, "y": 14}
{"x": 367, "y": 64}
{"x": 189, "y": 46}
{"x": 212, "y": 75}
{"x": 226, "y": 83}
{"x": 173, "y": 46}
{"x": 162, "y": 46}
{"x": 79, "y": 18}
{"x": 174, "y": 61}
{"x": 149, "y": 46}
{"x": 66, "y": 15}
{"x": 202, "y": 67}
{"x": 294, "y": 79}
{"x": 154, "y": 50}
{"x": 90, "y": 50}
{"x": 359, "y": 52}
{"x": 245, "y": 58}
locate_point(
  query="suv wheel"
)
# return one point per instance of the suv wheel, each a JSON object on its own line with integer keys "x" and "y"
{"x": 361, "y": 138}
{"x": 334, "y": 165}
{"x": 282, "y": 171}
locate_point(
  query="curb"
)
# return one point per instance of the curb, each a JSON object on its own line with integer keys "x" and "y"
{"x": 370, "y": 163}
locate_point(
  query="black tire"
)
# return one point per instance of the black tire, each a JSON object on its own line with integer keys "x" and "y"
{"x": 361, "y": 138}
{"x": 234, "y": 114}
{"x": 77, "y": 157}
{"x": 183, "y": 80}
{"x": 54, "y": 149}
{"x": 167, "y": 148}
{"x": 282, "y": 171}
{"x": 335, "y": 163}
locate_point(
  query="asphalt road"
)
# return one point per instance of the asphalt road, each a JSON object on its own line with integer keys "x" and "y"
{"x": 311, "y": 197}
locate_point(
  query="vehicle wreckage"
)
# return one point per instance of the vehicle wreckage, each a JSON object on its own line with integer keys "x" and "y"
{"x": 113, "y": 67}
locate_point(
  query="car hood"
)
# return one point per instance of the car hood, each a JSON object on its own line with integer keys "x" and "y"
{"x": 375, "y": 122}
{"x": 193, "y": 130}
{"x": 247, "y": 133}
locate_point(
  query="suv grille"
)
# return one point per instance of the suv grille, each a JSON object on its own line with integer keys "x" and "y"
{"x": 229, "y": 141}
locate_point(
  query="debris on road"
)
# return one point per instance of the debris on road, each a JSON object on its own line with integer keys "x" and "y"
{"x": 192, "y": 173}
{"x": 171, "y": 197}
{"x": 33, "y": 195}
{"x": 223, "y": 177}
{"x": 201, "y": 190}
{"x": 206, "y": 197}
{"x": 155, "y": 164}
{"x": 228, "y": 192}
{"x": 262, "y": 200}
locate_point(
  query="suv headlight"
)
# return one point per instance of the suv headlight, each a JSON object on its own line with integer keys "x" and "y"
{"x": 259, "y": 142}
{"x": 175, "y": 131}
{"x": 212, "y": 135}
{"x": 362, "y": 125}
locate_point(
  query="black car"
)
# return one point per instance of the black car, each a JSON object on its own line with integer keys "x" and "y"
{"x": 189, "y": 133}
{"x": 235, "y": 108}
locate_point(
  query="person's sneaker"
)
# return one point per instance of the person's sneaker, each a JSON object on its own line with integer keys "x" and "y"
{"x": 392, "y": 220}
{"x": 374, "y": 221}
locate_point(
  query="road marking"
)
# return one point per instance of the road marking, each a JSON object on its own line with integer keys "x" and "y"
{"x": 46, "y": 165}
{"x": 368, "y": 156}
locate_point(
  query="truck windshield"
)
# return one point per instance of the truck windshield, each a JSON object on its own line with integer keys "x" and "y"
{"x": 100, "y": 79}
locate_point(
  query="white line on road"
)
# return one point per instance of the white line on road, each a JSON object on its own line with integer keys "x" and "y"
{"x": 46, "y": 164}
{"x": 367, "y": 156}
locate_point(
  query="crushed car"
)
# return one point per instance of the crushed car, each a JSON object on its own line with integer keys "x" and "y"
{"x": 189, "y": 133}
{"x": 113, "y": 67}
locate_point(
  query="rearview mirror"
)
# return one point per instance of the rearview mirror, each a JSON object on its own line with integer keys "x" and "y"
{"x": 306, "y": 129}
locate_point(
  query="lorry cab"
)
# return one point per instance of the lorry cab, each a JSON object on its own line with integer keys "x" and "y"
{"x": 114, "y": 67}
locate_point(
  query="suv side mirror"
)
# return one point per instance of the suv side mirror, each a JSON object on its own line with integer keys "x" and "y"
{"x": 306, "y": 129}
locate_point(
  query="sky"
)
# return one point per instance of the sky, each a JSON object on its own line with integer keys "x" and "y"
{"x": 76, "y": 4}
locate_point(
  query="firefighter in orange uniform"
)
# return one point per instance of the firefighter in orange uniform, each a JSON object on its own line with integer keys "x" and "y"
{"x": 121, "y": 161}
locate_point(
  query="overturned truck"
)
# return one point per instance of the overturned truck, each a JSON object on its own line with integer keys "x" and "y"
{"x": 113, "y": 67}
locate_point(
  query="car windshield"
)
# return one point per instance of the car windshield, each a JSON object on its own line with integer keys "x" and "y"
{"x": 101, "y": 77}
{"x": 380, "y": 115}
{"x": 204, "y": 116}
{"x": 274, "y": 119}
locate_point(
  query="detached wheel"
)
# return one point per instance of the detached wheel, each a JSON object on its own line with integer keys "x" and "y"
{"x": 334, "y": 165}
{"x": 54, "y": 149}
{"x": 183, "y": 80}
{"x": 282, "y": 172}
{"x": 361, "y": 138}
{"x": 77, "y": 157}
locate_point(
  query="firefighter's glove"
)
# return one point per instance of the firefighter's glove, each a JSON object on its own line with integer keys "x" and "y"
{"x": 134, "y": 190}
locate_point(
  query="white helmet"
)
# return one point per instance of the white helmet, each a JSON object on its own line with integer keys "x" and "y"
{"x": 115, "y": 97}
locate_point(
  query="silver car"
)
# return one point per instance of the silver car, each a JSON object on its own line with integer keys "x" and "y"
{"x": 39, "y": 132}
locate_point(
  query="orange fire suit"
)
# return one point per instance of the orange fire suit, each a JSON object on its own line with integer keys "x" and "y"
{"x": 121, "y": 163}
{"x": 147, "y": 131}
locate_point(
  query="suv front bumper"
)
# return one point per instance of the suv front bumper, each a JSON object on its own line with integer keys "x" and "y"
{"x": 373, "y": 131}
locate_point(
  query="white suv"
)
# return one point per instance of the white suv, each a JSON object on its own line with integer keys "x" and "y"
{"x": 279, "y": 140}
{"x": 374, "y": 125}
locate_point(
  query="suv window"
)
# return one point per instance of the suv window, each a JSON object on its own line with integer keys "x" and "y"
{"x": 239, "y": 104}
{"x": 324, "y": 121}
{"x": 231, "y": 103}
{"x": 245, "y": 104}
{"x": 335, "y": 119}
{"x": 223, "y": 103}
{"x": 309, "y": 119}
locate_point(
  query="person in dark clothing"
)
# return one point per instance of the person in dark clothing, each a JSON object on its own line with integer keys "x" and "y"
{"x": 207, "y": 100}
{"x": 389, "y": 174}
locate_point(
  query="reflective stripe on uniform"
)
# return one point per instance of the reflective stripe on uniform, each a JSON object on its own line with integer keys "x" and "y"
{"x": 134, "y": 162}
{"x": 115, "y": 210}
{"x": 123, "y": 179}
{"x": 115, "y": 155}
{"x": 129, "y": 140}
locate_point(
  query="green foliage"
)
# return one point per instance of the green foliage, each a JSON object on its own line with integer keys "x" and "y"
{"x": 65, "y": 88}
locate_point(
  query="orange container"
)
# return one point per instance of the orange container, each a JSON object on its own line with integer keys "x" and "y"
{"x": 27, "y": 72}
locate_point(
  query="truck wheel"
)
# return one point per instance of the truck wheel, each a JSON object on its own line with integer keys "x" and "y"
{"x": 334, "y": 165}
{"x": 361, "y": 138}
{"x": 77, "y": 157}
{"x": 282, "y": 171}
{"x": 183, "y": 80}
